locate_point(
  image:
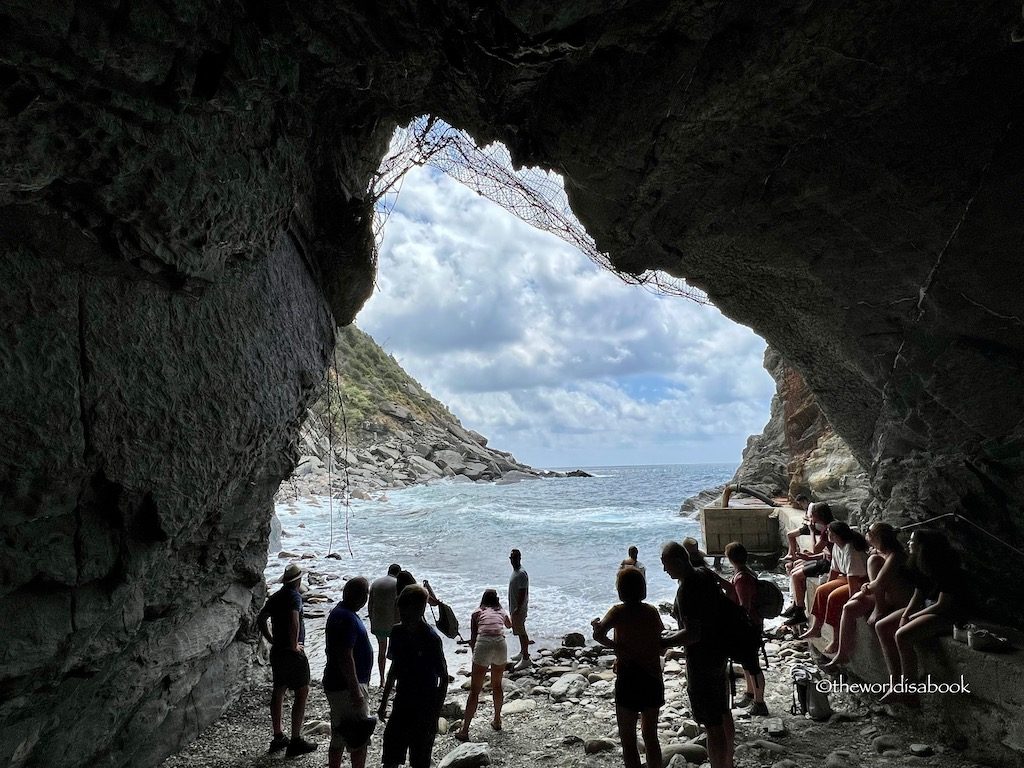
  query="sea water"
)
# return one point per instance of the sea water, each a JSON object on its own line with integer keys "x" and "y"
{"x": 573, "y": 533}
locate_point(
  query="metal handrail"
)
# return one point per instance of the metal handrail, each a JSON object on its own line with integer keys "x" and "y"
{"x": 957, "y": 518}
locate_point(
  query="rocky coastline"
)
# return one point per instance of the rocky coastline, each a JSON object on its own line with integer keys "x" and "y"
{"x": 797, "y": 452}
{"x": 373, "y": 428}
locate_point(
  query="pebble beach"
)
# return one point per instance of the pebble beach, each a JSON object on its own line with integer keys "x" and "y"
{"x": 561, "y": 714}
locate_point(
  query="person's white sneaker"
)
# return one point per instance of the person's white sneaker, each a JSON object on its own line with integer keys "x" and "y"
{"x": 525, "y": 663}
{"x": 517, "y": 657}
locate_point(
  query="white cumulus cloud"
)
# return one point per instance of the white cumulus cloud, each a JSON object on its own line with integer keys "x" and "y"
{"x": 549, "y": 355}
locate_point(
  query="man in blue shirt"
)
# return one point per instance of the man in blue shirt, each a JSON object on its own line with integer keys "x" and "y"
{"x": 287, "y": 660}
{"x": 347, "y": 675}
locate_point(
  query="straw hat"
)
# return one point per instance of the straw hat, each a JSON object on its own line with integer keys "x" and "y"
{"x": 291, "y": 573}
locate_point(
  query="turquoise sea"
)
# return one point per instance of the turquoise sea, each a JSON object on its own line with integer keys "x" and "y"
{"x": 573, "y": 533}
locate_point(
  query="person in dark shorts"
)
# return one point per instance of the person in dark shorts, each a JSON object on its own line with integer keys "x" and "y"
{"x": 639, "y": 686}
{"x": 286, "y": 635}
{"x": 347, "y": 676}
{"x": 744, "y": 594}
{"x": 383, "y": 615}
{"x": 817, "y": 562}
{"x": 419, "y": 669}
{"x": 701, "y": 608}
{"x": 518, "y": 607}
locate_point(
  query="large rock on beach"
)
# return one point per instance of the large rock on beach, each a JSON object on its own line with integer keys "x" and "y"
{"x": 568, "y": 686}
{"x": 469, "y": 755}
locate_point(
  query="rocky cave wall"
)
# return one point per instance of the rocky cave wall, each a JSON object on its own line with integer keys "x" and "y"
{"x": 799, "y": 452}
{"x": 184, "y": 186}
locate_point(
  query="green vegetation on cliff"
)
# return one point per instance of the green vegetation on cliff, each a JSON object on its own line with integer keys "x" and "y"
{"x": 363, "y": 384}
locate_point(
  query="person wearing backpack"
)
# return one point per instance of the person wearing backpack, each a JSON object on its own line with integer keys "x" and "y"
{"x": 487, "y": 628}
{"x": 712, "y": 628}
{"x": 745, "y": 593}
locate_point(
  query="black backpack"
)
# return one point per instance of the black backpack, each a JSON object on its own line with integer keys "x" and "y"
{"x": 742, "y": 636}
{"x": 446, "y": 622}
{"x": 769, "y": 600}
{"x": 809, "y": 698}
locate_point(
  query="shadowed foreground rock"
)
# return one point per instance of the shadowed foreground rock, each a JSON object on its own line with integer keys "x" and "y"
{"x": 182, "y": 209}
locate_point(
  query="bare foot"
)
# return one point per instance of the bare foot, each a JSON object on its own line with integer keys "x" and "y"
{"x": 496, "y": 724}
{"x": 810, "y": 633}
{"x": 460, "y": 736}
{"x": 831, "y": 649}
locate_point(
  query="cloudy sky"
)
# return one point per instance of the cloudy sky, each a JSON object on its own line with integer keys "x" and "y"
{"x": 548, "y": 355}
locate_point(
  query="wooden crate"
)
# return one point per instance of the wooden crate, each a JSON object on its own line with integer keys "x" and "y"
{"x": 756, "y": 528}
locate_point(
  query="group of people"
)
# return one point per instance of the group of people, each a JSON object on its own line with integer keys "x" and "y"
{"x": 905, "y": 596}
{"x": 716, "y": 623}
{"x": 418, "y": 672}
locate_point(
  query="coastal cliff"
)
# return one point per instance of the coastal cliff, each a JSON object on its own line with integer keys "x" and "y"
{"x": 384, "y": 431}
{"x": 797, "y": 452}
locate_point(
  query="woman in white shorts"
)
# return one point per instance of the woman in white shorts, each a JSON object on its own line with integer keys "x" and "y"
{"x": 487, "y": 639}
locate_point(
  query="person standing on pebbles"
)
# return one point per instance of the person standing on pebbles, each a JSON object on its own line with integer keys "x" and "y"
{"x": 383, "y": 614}
{"x": 703, "y": 613}
{"x": 487, "y": 641}
{"x": 419, "y": 668}
{"x": 287, "y": 660}
{"x": 347, "y": 676}
{"x": 639, "y": 686}
{"x": 518, "y": 602}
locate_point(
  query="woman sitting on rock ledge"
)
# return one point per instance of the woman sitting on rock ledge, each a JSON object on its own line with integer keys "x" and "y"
{"x": 888, "y": 590}
{"x": 939, "y": 602}
{"x": 848, "y": 574}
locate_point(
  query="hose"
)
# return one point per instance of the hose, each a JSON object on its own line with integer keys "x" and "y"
{"x": 737, "y": 488}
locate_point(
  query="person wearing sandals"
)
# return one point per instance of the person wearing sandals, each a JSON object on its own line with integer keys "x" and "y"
{"x": 639, "y": 687}
{"x": 809, "y": 564}
{"x": 939, "y": 601}
{"x": 744, "y": 593}
{"x": 848, "y": 574}
{"x": 888, "y": 589}
{"x": 487, "y": 628}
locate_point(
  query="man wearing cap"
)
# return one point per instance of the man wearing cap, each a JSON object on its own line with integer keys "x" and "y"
{"x": 286, "y": 634}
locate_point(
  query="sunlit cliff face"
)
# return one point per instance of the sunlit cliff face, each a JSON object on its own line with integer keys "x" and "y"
{"x": 183, "y": 219}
